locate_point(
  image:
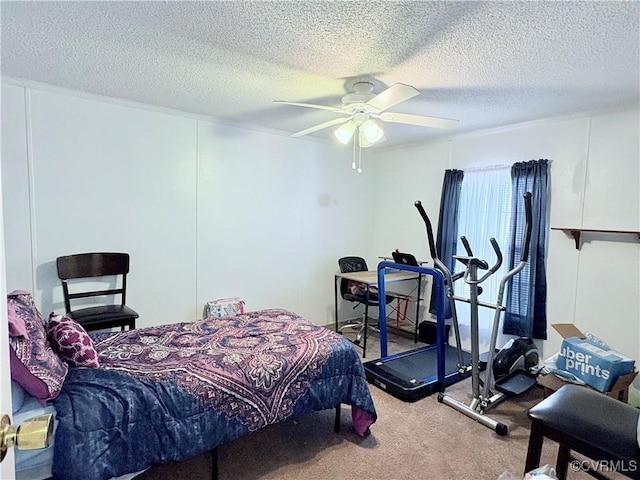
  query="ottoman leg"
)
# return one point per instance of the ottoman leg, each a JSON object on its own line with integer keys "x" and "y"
{"x": 535, "y": 447}
{"x": 562, "y": 462}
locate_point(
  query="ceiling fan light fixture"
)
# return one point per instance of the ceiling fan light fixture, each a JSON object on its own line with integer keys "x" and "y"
{"x": 364, "y": 111}
{"x": 362, "y": 140}
{"x": 372, "y": 132}
{"x": 344, "y": 132}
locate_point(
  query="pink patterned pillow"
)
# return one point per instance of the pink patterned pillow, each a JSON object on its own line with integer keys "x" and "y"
{"x": 17, "y": 327}
{"x": 34, "y": 364}
{"x": 71, "y": 341}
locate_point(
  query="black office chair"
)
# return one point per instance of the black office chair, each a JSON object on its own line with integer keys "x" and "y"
{"x": 82, "y": 270}
{"x": 353, "y": 292}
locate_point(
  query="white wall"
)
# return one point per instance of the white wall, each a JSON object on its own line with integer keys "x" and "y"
{"x": 274, "y": 215}
{"x": 595, "y": 183}
{"x": 404, "y": 176}
{"x": 15, "y": 189}
{"x": 210, "y": 210}
{"x": 104, "y": 178}
{"x": 205, "y": 210}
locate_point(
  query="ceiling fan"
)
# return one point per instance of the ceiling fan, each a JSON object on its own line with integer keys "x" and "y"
{"x": 360, "y": 111}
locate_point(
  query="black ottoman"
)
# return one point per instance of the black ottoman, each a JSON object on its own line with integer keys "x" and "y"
{"x": 590, "y": 423}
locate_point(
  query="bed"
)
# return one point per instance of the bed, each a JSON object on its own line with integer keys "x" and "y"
{"x": 175, "y": 391}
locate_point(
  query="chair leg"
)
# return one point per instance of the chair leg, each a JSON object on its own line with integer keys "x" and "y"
{"x": 350, "y": 325}
{"x": 534, "y": 451}
{"x": 362, "y": 333}
{"x": 336, "y": 425}
{"x": 562, "y": 461}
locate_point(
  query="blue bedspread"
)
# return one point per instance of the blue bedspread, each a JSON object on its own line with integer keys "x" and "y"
{"x": 165, "y": 393}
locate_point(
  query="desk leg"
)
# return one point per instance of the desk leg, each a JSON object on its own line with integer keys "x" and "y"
{"x": 335, "y": 299}
{"x": 415, "y": 333}
{"x": 366, "y": 328}
{"x": 366, "y": 324}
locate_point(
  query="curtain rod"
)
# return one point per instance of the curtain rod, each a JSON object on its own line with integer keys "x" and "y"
{"x": 486, "y": 167}
{"x": 496, "y": 167}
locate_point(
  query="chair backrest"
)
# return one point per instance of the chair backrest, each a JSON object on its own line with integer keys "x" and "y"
{"x": 350, "y": 264}
{"x": 91, "y": 265}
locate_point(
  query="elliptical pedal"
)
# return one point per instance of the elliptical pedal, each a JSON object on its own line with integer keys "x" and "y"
{"x": 516, "y": 383}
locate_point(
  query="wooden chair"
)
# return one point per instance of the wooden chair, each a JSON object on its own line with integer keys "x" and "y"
{"x": 86, "y": 268}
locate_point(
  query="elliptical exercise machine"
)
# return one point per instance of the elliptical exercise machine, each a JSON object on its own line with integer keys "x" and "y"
{"x": 513, "y": 369}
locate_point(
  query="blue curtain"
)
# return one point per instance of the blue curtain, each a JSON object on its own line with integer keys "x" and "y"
{"x": 447, "y": 236}
{"x": 527, "y": 294}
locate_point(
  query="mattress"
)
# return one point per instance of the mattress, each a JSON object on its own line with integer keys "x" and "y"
{"x": 31, "y": 464}
{"x": 37, "y": 464}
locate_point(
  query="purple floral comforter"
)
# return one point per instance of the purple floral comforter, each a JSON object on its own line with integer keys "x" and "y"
{"x": 174, "y": 391}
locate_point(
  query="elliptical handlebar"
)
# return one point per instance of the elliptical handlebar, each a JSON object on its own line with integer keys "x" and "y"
{"x": 427, "y": 222}
{"x": 465, "y": 244}
{"x": 449, "y": 279}
{"x": 526, "y": 241}
{"x": 492, "y": 270}
{"x": 432, "y": 245}
{"x": 496, "y": 266}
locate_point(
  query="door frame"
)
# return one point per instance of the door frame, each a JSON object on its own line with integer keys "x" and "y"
{"x": 7, "y": 467}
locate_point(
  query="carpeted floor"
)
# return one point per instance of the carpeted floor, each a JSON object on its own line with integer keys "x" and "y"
{"x": 420, "y": 440}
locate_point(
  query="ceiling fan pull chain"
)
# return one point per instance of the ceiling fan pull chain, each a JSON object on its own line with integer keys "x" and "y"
{"x": 353, "y": 161}
{"x": 359, "y": 154}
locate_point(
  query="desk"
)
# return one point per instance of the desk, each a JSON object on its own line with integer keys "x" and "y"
{"x": 370, "y": 279}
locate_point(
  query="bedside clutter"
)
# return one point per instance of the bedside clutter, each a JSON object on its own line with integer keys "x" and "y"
{"x": 590, "y": 362}
{"x": 619, "y": 390}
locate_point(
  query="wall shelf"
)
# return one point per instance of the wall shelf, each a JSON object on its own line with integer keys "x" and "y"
{"x": 577, "y": 232}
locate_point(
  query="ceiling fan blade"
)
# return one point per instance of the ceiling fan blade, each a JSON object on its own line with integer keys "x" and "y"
{"x": 393, "y": 95}
{"x": 315, "y": 128}
{"x": 313, "y": 105}
{"x": 420, "y": 120}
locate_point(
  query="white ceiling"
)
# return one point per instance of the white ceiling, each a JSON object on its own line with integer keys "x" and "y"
{"x": 486, "y": 64}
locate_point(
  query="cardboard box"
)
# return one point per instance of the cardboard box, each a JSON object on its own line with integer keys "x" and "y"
{"x": 596, "y": 365}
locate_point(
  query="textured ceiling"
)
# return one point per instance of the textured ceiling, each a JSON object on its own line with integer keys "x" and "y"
{"x": 486, "y": 64}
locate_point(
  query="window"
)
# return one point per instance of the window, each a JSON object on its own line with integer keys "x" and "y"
{"x": 487, "y": 203}
{"x": 484, "y": 211}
